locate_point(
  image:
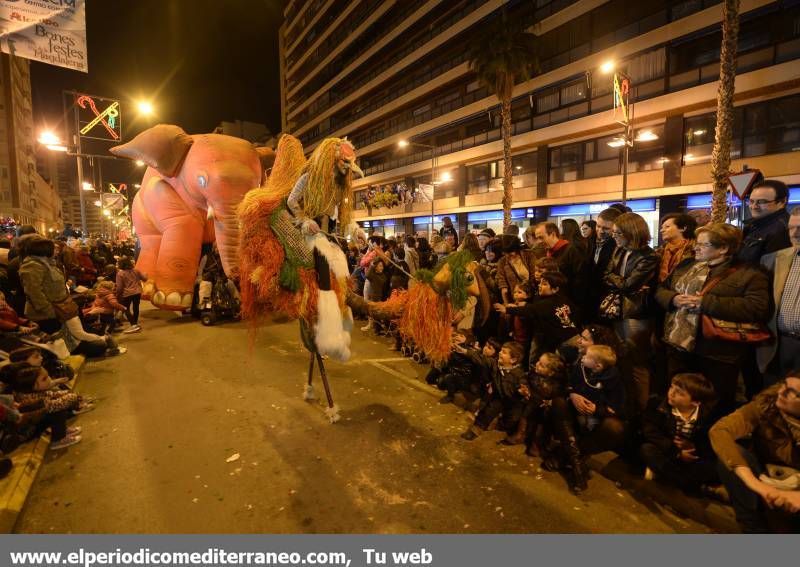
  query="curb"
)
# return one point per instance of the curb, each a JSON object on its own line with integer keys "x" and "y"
{"x": 717, "y": 516}
{"x": 27, "y": 459}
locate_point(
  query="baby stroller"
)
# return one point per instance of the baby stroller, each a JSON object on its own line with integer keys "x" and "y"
{"x": 217, "y": 300}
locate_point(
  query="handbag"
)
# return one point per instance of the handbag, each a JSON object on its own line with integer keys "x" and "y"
{"x": 730, "y": 331}
{"x": 65, "y": 309}
{"x": 611, "y": 306}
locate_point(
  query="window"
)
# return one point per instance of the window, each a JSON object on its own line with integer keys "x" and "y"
{"x": 768, "y": 127}
{"x": 547, "y": 100}
{"x": 573, "y": 92}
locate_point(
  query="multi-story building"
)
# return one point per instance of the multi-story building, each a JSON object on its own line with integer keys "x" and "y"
{"x": 250, "y": 131}
{"x": 382, "y": 71}
{"x": 24, "y": 195}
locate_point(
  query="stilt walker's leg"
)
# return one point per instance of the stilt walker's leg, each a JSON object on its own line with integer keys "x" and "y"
{"x": 332, "y": 412}
{"x": 308, "y": 392}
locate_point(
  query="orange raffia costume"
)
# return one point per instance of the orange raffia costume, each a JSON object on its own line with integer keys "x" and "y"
{"x": 287, "y": 267}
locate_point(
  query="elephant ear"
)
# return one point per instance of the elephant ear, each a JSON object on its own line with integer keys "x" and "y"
{"x": 162, "y": 147}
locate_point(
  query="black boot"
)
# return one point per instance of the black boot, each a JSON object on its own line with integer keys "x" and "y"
{"x": 576, "y": 474}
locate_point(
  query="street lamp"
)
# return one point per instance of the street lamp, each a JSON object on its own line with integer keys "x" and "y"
{"x": 405, "y": 144}
{"x": 144, "y": 107}
{"x": 51, "y": 141}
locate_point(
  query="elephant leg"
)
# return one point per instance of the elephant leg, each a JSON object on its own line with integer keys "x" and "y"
{"x": 181, "y": 229}
{"x": 150, "y": 242}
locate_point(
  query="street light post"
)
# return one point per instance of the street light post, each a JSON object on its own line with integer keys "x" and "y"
{"x": 622, "y": 86}
{"x": 84, "y": 225}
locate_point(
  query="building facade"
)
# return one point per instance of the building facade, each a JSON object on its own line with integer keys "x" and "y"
{"x": 385, "y": 71}
{"x": 25, "y": 196}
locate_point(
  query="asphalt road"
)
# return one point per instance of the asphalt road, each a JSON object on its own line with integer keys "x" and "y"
{"x": 186, "y": 399}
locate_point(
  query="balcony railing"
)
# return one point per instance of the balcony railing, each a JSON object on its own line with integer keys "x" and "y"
{"x": 748, "y": 61}
{"x": 380, "y": 65}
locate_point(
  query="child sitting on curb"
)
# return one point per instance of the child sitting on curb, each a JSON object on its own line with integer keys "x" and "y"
{"x": 503, "y": 397}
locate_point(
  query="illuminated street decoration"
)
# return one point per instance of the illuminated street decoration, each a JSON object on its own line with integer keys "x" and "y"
{"x": 108, "y": 118}
{"x": 622, "y": 85}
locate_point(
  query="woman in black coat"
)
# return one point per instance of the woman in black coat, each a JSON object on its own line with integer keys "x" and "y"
{"x": 631, "y": 275}
{"x": 712, "y": 284}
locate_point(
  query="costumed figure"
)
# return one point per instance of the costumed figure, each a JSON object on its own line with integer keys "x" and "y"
{"x": 291, "y": 263}
{"x": 424, "y": 313}
{"x": 188, "y": 197}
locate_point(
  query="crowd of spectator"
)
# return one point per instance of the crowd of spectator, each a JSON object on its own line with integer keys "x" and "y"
{"x": 683, "y": 359}
{"x": 58, "y": 297}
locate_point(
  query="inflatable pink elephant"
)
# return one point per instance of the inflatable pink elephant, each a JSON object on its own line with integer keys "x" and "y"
{"x": 189, "y": 195}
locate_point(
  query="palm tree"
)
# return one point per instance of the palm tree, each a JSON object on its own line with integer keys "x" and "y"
{"x": 503, "y": 54}
{"x": 721, "y": 155}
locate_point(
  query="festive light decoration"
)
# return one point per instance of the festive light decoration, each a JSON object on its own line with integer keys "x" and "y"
{"x": 111, "y": 113}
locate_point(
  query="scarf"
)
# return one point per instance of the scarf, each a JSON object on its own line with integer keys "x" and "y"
{"x": 520, "y": 269}
{"x": 680, "y": 325}
{"x": 672, "y": 255}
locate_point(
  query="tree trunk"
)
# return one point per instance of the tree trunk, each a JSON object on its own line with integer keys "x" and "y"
{"x": 721, "y": 155}
{"x": 508, "y": 166}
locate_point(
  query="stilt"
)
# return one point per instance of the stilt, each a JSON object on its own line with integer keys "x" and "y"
{"x": 332, "y": 412}
{"x": 308, "y": 391}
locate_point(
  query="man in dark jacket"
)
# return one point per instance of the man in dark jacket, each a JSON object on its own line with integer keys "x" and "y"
{"x": 571, "y": 260}
{"x": 766, "y": 231}
{"x": 599, "y": 261}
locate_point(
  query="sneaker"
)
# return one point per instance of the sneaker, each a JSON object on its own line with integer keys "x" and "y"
{"x": 366, "y": 327}
{"x": 84, "y": 408}
{"x": 66, "y": 442}
{"x": 75, "y": 430}
{"x": 133, "y": 329}
{"x": 116, "y": 351}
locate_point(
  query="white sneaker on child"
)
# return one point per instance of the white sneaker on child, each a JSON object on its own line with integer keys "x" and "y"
{"x": 132, "y": 329}
{"x": 67, "y": 441}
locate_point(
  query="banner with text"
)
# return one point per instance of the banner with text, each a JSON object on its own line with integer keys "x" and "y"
{"x": 50, "y": 31}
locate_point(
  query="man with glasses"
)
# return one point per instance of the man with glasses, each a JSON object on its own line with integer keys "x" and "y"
{"x": 765, "y": 232}
{"x": 599, "y": 260}
{"x": 761, "y": 481}
{"x": 783, "y": 354}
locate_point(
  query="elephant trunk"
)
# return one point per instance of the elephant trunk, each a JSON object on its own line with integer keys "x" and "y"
{"x": 226, "y": 229}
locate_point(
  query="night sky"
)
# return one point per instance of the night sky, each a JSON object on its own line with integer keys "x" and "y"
{"x": 199, "y": 61}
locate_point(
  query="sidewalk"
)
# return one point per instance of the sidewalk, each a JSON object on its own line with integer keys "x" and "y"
{"x": 717, "y": 516}
{"x": 27, "y": 459}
